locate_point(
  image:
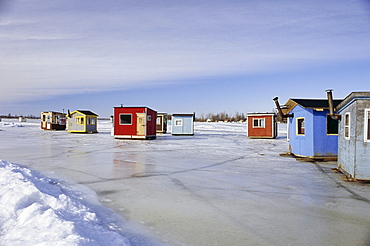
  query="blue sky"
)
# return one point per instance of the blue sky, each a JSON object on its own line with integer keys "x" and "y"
{"x": 179, "y": 56}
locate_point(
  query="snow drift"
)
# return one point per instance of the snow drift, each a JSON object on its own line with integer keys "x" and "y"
{"x": 41, "y": 211}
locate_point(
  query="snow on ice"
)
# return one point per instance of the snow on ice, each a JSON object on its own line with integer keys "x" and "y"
{"x": 35, "y": 210}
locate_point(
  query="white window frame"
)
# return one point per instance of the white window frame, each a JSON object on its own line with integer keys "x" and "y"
{"x": 347, "y": 126}
{"x": 124, "y": 124}
{"x": 366, "y": 124}
{"x": 260, "y": 124}
{"x": 178, "y": 122}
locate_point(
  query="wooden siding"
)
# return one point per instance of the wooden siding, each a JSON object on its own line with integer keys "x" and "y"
{"x": 130, "y": 131}
{"x": 354, "y": 152}
{"x": 269, "y": 129}
{"x": 315, "y": 142}
{"x": 187, "y": 124}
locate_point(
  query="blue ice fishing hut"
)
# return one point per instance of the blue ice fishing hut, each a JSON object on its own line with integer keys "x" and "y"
{"x": 311, "y": 131}
{"x": 183, "y": 124}
{"x": 354, "y": 136}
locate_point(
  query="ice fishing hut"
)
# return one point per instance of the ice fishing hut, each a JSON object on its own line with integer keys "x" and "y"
{"x": 161, "y": 124}
{"x": 82, "y": 121}
{"x": 183, "y": 124}
{"x": 311, "y": 132}
{"x": 51, "y": 120}
{"x": 134, "y": 122}
{"x": 262, "y": 125}
{"x": 354, "y": 135}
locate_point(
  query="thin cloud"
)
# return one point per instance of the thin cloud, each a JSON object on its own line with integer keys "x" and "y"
{"x": 59, "y": 47}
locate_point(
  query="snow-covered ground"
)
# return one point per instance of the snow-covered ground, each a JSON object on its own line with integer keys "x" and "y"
{"x": 214, "y": 188}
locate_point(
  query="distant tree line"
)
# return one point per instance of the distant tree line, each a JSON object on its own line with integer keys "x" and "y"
{"x": 223, "y": 116}
{"x": 10, "y": 116}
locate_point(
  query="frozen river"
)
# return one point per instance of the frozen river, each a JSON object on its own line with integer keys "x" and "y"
{"x": 214, "y": 188}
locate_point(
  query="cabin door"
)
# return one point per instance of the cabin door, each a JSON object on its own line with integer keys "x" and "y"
{"x": 159, "y": 126}
{"x": 48, "y": 123}
{"x": 141, "y": 124}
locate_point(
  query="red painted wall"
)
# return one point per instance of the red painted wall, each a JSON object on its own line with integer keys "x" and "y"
{"x": 151, "y": 125}
{"x": 131, "y": 130}
{"x": 266, "y": 132}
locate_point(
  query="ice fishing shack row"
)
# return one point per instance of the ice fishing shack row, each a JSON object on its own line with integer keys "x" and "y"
{"x": 127, "y": 122}
{"x": 328, "y": 129}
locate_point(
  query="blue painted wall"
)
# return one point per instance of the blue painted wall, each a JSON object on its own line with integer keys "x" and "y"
{"x": 315, "y": 142}
{"x": 187, "y": 127}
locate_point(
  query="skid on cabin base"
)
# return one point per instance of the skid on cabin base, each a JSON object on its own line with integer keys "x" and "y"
{"x": 134, "y": 123}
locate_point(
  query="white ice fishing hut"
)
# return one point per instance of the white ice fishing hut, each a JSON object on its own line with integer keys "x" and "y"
{"x": 183, "y": 124}
{"x": 51, "y": 120}
{"x": 354, "y": 136}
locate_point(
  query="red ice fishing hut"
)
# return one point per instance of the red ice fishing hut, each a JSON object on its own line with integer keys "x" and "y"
{"x": 134, "y": 122}
{"x": 262, "y": 125}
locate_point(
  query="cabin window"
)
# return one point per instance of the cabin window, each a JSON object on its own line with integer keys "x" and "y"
{"x": 300, "y": 126}
{"x": 331, "y": 125}
{"x": 43, "y": 117}
{"x": 80, "y": 120}
{"x": 125, "y": 119}
{"x": 178, "y": 122}
{"x": 347, "y": 125}
{"x": 159, "y": 121}
{"x": 91, "y": 121}
{"x": 258, "y": 123}
{"x": 149, "y": 118}
{"x": 367, "y": 125}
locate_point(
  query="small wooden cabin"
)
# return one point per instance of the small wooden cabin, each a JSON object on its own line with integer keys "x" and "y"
{"x": 51, "y": 120}
{"x": 354, "y": 136}
{"x": 134, "y": 123}
{"x": 82, "y": 121}
{"x": 311, "y": 132}
{"x": 161, "y": 123}
{"x": 183, "y": 124}
{"x": 262, "y": 125}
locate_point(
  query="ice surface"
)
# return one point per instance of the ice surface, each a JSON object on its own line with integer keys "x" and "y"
{"x": 214, "y": 188}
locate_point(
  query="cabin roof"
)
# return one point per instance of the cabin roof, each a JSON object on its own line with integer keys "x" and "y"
{"x": 353, "y": 96}
{"x": 132, "y": 107}
{"x": 309, "y": 103}
{"x": 316, "y": 103}
{"x": 260, "y": 114}
{"x": 51, "y": 112}
{"x": 185, "y": 114}
{"x": 86, "y": 112}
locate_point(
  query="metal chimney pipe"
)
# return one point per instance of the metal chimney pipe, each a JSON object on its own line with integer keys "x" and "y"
{"x": 278, "y": 107}
{"x": 330, "y": 101}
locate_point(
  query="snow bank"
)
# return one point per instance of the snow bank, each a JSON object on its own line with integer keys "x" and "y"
{"x": 35, "y": 210}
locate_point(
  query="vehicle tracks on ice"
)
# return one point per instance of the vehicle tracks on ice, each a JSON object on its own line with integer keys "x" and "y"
{"x": 339, "y": 184}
